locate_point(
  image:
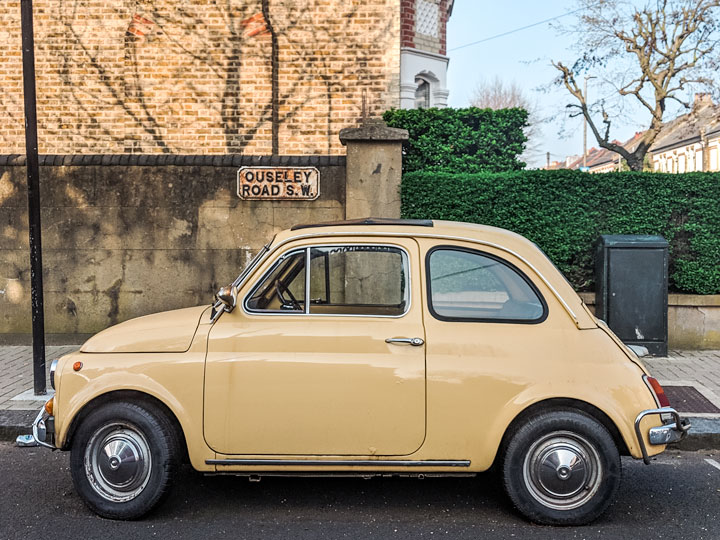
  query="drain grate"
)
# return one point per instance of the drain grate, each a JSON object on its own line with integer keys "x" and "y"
{"x": 686, "y": 399}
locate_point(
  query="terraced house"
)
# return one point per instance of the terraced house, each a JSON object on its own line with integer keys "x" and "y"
{"x": 691, "y": 142}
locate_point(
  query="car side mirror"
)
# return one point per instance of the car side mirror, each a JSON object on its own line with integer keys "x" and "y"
{"x": 227, "y": 296}
{"x": 225, "y": 300}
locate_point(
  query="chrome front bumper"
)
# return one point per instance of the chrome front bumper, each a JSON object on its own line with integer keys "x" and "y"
{"x": 673, "y": 430}
{"x": 43, "y": 429}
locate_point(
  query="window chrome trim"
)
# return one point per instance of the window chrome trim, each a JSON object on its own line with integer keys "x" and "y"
{"x": 391, "y": 234}
{"x": 252, "y": 264}
{"x": 308, "y": 250}
{"x": 406, "y": 263}
{"x": 341, "y": 463}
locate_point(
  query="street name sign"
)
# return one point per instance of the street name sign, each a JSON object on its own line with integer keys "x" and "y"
{"x": 278, "y": 183}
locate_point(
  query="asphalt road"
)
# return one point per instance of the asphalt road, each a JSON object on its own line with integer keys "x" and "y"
{"x": 678, "y": 496}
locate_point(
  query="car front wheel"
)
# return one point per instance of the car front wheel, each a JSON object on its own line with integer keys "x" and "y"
{"x": 123, "y": 459}
{"x": 561, "y": 468}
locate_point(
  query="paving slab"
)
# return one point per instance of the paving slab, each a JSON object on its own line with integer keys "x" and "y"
{"x": 16, "y": 376}
{"x": 697, "y": 369}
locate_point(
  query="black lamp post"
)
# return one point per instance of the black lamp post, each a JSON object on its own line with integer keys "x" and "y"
{"x": 33, "y": 182}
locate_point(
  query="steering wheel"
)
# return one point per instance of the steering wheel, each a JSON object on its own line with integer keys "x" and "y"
{"x": 281, "y": 289}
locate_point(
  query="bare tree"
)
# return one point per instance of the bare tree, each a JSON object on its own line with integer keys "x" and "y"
{"x": 497, "y": 94}
{"x": 652, "y": 55}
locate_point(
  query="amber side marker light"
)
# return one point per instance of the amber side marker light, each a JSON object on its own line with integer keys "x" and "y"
{"x": 49, "y": 405}
{"x": 77, "y": 366}
{"x": 659, "y": 392}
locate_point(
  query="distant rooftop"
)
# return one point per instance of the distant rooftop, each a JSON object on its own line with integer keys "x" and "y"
{"x": 704, "y": 117}
{"x": 685, "y": 129}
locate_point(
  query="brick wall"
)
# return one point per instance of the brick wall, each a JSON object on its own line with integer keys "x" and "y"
{"x": 407, "y": 23}
{"x": 445, "y": 10}
{"x": 243, "y": 76}
{"x": 423, "y": 25}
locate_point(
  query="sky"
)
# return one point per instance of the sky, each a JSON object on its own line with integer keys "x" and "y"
{"x": 524, "y": 57}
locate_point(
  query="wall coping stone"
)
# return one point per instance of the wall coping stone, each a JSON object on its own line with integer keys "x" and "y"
{"x": 373, "y": 130}
{"x": 181, "y": 160}
{"x": 674, "y": 299}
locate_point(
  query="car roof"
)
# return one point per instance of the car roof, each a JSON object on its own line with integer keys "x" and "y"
{"x": 407, "y": 227}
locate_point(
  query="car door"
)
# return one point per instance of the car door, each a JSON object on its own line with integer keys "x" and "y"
{"x": 493, "y": 331}
{"x": 302, "y": 366}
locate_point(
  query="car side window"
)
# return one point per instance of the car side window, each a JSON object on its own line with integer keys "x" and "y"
{"x": 358, "y": 280}
{"x": 283, "y": 288}
{"x": 344, "y": 280}
{"x": 466, "y": 285}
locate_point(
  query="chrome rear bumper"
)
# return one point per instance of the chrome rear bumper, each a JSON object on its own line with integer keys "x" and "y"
{"x": 674, "y": 429}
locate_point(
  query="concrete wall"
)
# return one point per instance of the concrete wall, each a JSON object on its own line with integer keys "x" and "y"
{"x": 121, "y": 241}
{"x": 693, "y": 320}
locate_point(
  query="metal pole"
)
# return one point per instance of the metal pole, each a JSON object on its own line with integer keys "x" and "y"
{"x": 585, "y": 127}
{"x": 33, "y": 180}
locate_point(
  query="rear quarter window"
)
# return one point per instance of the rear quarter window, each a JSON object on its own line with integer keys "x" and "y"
{"x": 469, "y": 285}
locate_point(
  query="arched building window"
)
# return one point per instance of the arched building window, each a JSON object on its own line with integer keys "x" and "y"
{"x": 422, "y": 94}
{"x": 421, "y": 87}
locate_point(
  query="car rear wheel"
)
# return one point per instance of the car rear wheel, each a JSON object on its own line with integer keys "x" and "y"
{"x": 561, "y": 468}
{"x": 123, "y": 459}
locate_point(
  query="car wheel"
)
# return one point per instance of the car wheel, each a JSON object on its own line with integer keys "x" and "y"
{"x": 123, "y": 459}
{"x": 561, "y": 468}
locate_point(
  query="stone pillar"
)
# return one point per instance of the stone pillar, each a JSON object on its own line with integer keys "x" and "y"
{"x": 374, "y": 169}
{"x": 440, "y": 98}
{"x": 407, "y": 95}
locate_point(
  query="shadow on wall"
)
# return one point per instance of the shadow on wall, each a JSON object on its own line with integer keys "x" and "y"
{"x": 261, "y": 76}
{"x": 124, "y": 241}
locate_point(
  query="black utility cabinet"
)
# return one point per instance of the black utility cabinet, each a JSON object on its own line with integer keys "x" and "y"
{"x": 631, "y": 275}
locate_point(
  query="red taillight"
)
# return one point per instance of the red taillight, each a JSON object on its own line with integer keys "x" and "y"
{"x": 659, "y": 392}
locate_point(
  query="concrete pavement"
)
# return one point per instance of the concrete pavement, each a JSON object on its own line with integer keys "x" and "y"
{"x": 18, "y": 404}
{"x": 691, "y": 380}
{"x": 16, "y": 376}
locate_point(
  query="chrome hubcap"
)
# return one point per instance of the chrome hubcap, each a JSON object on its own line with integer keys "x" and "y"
{"x": 118, "y": 462}
{"x": 562, "y": 470}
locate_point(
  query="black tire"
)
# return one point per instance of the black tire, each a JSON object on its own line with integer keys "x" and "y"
{"x": 561, "y": 468}
{"x": 124, "y": 457}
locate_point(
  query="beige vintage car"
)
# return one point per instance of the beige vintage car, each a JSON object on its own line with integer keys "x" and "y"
{"x": 366, "y": 347}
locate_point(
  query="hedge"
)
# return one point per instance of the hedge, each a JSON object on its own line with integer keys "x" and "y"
{"x": 564, "y": 212}
{"x": 469, "y": 140}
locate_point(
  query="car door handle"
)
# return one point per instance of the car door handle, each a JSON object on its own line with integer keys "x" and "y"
{"x": 415, "y": 342}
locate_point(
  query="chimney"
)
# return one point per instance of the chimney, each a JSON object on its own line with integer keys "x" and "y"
{"x": 702, "y": 99}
